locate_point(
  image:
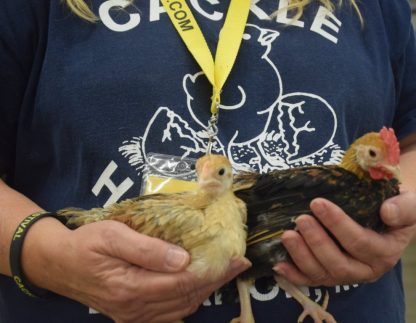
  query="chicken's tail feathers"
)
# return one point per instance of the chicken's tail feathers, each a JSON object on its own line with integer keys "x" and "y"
{"x": 264, "y": 235}
{"x": 76, "y": 217}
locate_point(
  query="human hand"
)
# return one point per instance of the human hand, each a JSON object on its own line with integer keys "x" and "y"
{"x": 131, "y": 277}
{"x": 319, "y": 261}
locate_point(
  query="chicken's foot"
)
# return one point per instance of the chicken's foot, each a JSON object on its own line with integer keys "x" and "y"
{"x": 246, "y": 312}
{"x": 318, "y": 313}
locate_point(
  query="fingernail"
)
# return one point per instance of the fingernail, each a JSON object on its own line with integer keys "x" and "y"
{"x": 319, "y": 209}
{"x": 290, "y": 243}
{"x": 176, "y": 257}
{"x": 278, "y": 269}
{"x": 303, "y": 225}
{"x": 392, "y": 213}
{"x": 240, "y": 264}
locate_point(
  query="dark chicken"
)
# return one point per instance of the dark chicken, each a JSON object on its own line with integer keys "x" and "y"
{"x": 368, "y": 174}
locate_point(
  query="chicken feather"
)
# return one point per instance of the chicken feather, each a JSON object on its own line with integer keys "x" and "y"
{"x": 368, "y": 174}
{"x": 208, "y": 222}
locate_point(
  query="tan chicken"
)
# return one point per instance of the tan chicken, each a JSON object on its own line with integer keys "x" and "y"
{"x": 208, "y": 222}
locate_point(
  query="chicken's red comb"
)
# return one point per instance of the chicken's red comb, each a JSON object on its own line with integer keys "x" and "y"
{"x": 392, "y": 144}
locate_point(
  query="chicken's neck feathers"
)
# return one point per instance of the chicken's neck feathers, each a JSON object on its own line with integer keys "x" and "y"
{"x": 349, "y": 162}
{"x": 205, "y": 197}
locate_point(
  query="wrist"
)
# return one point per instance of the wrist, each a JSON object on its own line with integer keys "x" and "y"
{"x": 41, "y": 247}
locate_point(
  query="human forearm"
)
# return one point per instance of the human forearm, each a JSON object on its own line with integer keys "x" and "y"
{"x": 14, "y": 207}
{"x": 41, "y": 242}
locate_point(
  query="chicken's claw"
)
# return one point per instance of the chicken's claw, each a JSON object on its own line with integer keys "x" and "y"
{"x": 238, "y": 320}
{"x": 246, "y": 313}
{"x": 316, "y": 311}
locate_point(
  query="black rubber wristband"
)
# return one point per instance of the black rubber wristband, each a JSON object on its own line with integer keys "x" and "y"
{"x": 16, "y": 253}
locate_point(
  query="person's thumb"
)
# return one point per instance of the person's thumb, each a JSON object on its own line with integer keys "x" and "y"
{"x": 144, "y": 251}
{"x": 399, "y": 210}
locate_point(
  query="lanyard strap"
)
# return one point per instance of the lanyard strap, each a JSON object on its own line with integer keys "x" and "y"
{"x": 228, "y": 44}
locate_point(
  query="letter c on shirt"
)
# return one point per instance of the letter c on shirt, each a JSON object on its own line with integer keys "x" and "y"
{"x": 104, "y": 13}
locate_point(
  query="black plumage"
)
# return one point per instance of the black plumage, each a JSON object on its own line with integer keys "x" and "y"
{"x": 274, "y": 200}
{"x": 368, "y": 174}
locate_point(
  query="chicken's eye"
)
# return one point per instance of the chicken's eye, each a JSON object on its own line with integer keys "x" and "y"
{"x": 372, "y": 153}
{"x": 221, "y": 172}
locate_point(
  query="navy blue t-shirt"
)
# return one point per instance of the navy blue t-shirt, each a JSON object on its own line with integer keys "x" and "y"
{"x": 82, "y": 106}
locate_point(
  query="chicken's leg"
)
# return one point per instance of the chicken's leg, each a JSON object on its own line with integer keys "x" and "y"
{"x": 316, "y": 311}
{"x": 246, "y": 312}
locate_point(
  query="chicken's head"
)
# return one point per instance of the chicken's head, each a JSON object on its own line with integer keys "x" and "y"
{"x": 215, "y": 173}
{"x": 378, "y": 153}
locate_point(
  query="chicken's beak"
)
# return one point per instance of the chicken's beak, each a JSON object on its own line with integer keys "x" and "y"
{"x": 394, "y": 170}
{"x": 206, "y": 178}
{"x": 205, "y": 172}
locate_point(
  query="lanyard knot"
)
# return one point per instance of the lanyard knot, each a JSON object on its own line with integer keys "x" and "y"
{"x": 215, "y": 102}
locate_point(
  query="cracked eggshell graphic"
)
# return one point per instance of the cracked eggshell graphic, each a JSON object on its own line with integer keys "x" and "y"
{"x": 294, "y": 133}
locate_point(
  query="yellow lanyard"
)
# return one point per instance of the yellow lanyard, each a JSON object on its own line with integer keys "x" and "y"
{"x": 228, "y": 44}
